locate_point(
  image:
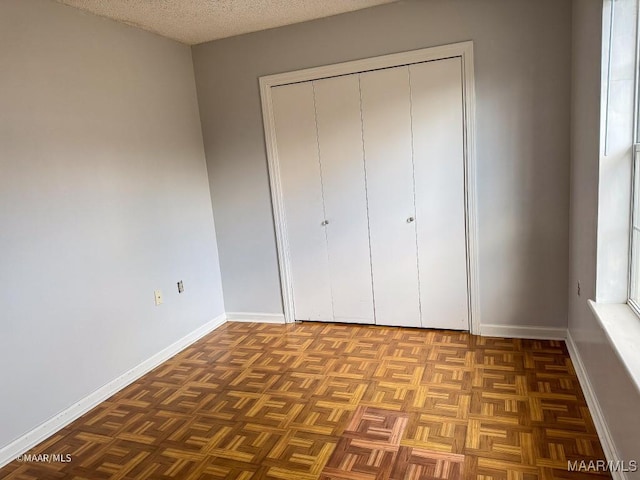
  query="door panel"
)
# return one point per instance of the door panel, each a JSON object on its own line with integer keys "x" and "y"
{"x": 386, "y": 115}
{"x": 438, "y": 145}
{"x": 295, "y": 125}
{"x": 339, "y": 125}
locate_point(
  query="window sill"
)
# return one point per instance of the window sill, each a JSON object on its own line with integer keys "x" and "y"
{"x": 622, "y": 327}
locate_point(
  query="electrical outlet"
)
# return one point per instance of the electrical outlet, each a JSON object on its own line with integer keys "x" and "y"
{"x": 158, "y": 297}
{"x": 180, "y": 287}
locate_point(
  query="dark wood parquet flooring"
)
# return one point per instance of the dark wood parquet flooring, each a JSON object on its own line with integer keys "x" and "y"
{"x": 310, "y": 401}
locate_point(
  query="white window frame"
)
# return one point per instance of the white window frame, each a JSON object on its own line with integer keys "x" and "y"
{"x": 634, "y": 256}
{"x": 635, "y": 202}
{"x": 618, "y": 134}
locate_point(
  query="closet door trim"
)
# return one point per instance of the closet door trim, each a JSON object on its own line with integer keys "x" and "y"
{"x": 464, "y": 50}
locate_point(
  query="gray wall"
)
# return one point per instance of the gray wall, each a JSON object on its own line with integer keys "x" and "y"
{"x": 103, "y": 198}
{"x": 611, "y": 383}
{"x": 523, "y": 89}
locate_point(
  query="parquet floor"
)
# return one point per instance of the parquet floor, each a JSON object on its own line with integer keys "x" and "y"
{"x": 329, "y": 401}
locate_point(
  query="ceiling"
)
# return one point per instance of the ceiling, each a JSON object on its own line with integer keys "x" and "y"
{"x": 198, "y": 21}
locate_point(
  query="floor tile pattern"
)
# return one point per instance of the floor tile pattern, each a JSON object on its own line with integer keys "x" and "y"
{"x": 267, "y": 401}
{"x": 370, "y": 449}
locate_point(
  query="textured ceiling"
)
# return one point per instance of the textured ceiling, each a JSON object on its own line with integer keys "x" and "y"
{"x": 197, "y": 21}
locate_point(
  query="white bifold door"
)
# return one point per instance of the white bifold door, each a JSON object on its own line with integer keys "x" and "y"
{"x": 371, "y": 170}
{"x": 386, "y": 114}
{"x": 438, "y": 157}
{"x": 319, "y": 134}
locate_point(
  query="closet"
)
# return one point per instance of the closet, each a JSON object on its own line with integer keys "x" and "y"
{"x": 371, "y": 180}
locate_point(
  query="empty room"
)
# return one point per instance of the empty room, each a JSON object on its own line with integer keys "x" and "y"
{"x": 304, "y": 239}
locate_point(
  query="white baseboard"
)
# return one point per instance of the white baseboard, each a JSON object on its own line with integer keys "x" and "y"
{"x": 610, "y": 450}
{"x": 21, "y": 445}
{"x": 511, "y": 331}
{"x": 255, "y": 317}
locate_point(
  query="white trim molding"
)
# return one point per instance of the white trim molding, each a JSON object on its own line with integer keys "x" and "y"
{"x": 606, "y": 440}
{"x": 255, "y": 317}
{"x": 21, "y": 445}
{"x": 621, "y": 325}
{"x": 530, "y": 332}
{"x": 464, "y": 50}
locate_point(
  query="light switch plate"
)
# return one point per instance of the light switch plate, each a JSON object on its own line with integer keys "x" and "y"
{"x": 158, "y": 296}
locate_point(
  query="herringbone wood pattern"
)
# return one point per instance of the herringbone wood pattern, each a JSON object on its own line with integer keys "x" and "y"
{"x": 310, "y": 401}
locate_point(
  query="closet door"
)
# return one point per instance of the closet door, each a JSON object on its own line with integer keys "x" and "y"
{"x": 297, "y": 143}
{"x": 386, "y": 115}
{"x": 339, "y": 125}
{"x": 438, "y": 145}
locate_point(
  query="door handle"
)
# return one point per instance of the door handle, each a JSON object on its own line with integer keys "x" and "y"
{"x": 410, "y": 219}
{"x": 325, "y": 223}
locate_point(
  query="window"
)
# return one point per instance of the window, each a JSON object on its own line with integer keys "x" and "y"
{"x": 634, "y": 237}
{"x": 617, "y": 302}
{"x": 634, "y": 284}
{"x": 618, "y": 276}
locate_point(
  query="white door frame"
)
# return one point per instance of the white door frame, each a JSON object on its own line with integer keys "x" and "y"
{"x": 464, "y": 50}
